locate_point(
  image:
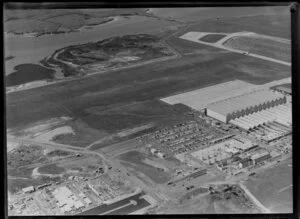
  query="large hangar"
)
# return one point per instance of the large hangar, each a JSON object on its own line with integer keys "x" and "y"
{"x": 245, "y": 104}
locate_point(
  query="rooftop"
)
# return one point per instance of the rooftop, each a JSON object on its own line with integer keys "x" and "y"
{"x": 244, "y": 101}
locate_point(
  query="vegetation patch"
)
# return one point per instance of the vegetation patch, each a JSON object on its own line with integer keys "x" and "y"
{"x": 24, "y": 155}
{"x": 108, "y": 54}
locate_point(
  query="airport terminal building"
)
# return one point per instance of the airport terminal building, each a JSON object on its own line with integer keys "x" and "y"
{"x": 242, "y": 105}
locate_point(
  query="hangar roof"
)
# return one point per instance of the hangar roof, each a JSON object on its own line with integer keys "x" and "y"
{"x": 244, "y": 101}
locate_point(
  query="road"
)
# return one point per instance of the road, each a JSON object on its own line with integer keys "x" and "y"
{"x": 195, "y": 36}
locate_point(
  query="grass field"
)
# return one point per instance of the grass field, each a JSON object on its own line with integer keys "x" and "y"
{"x": 273, "y": 188}
{"x": 261, "y": 46}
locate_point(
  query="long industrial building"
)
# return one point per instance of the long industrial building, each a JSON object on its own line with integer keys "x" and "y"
{"x": 281, "y": 114}
{"x": 245, "y": 104}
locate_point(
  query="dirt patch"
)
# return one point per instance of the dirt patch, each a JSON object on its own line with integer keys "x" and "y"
{"x": 24, "y": 155}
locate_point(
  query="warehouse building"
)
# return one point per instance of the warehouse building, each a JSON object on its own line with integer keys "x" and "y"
{"x": 245, "y": 163}
{"x": 260, "y": 157}
{"x": 281, "y": 114}
{"x": 245, "y": 104}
